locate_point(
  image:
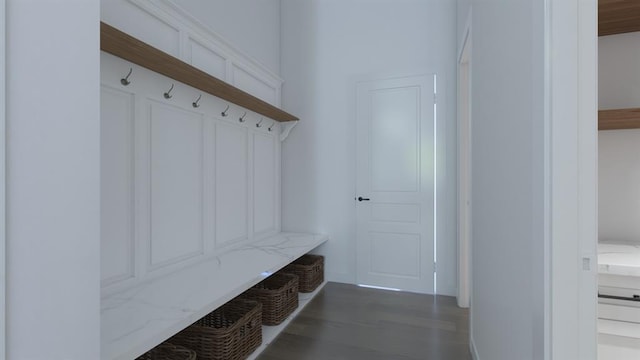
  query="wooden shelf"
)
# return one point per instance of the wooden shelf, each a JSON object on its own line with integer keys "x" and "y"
{"x": 129, "y": 48}
{"x": 619, "y": 119}
{"x": 618, "y": 16}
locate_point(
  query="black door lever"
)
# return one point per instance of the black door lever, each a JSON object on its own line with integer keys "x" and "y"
{"x": 360, "y": 198}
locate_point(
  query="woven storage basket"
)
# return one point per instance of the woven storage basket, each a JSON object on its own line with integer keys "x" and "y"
{"x": 231, "y": 332}
{"x": 279, "y": 297}
{"x": 167, "y": 351}
{"x": 310, "y": 271}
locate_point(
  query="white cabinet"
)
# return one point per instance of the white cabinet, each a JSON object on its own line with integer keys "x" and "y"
{"x": 266, "y": 185}
{"x": 232, "y": 184}
{"x": 177, "y": 186}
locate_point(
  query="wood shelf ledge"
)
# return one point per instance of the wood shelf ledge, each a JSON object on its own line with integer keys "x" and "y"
{"x": 125, "y": 46}
{"x": 618, "y": 119}
{"x": 618, "y": 16}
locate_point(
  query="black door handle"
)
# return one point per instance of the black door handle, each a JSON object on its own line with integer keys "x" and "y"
{"x": 360, "y": 198}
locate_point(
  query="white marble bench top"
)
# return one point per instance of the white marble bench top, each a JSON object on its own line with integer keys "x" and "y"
{"x": 136, "y": 320}
{"x": 619, "y": 259}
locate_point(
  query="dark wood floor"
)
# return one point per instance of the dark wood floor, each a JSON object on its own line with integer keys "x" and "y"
{"x": 349, "y": 323}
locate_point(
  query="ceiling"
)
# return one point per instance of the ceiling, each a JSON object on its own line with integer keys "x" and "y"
{"x": 618, "y": 16}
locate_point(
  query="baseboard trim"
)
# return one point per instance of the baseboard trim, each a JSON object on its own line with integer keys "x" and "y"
{"x": 339, "y": 278}
{"x": 472, "y": 348}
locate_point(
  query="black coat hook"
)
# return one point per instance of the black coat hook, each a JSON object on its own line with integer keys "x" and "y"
{"x": 224, "y": 113}
{"x": 272, "y": 125}
{"x": 168, "y": 95}
{"x": 241, "y": 119}
{"x": 259, "y": 124}
{"x": 125, "y": 80}
{"x": 195, "y": 103}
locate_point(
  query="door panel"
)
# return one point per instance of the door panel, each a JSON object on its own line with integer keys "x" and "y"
{"x": 395, "y": 171}
{"x": 403, "y": 246}
{"x": 395, "y": 139}
{"x": 264, "y": 185}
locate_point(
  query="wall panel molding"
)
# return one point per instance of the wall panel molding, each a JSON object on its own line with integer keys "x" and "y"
{"x": 252, "y": 82}
{"x": 265, "y": 183}
{"x": 117, "y": 185}
{"x": 154, "y": 26}
{"x": 232, "y": 184}
{"x": 177, "y": 185}
{"x": 199, "y": 155}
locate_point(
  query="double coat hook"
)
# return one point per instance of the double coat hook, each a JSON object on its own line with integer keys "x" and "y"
{"x": 168, "y": 95}
{"x": 125, "y": 80}
{"x": 241, "y": 119}
{"x": 195, "y": 103}
{"x": 224, "y": 113}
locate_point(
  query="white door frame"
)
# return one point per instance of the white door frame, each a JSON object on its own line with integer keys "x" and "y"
{"x": 464, "y": 171}
{"x": 2, "y": 182}
{"x": 571, "y": 215}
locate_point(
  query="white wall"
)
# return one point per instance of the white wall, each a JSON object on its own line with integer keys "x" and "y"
{"x": 253, "y": 26}
{"x": 327, "y": 45}
{"x": 507, "y": 297}
{"x": 3, "y": 254}
{"x": 618, "y": 75}
{"x": 53, "y": 168}
{"x": 619, "y": 160}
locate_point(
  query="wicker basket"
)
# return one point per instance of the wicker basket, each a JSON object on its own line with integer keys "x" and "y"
{"x": 167, "y": 351}
{"x": 279, "y": 297}
{"x": 231, "y": 332}
{"x": 310, "y": 271}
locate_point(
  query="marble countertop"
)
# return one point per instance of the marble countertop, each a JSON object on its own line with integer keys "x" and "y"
{"x": 136, "y": 320}
{"x": 619, "y": 259}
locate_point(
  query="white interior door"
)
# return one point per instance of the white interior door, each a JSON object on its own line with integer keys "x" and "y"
{"x": 395, "y": 183}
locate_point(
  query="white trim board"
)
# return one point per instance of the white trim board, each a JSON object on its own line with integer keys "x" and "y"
{"x": 2, "y": 182}
{"x": 168, "y": 27}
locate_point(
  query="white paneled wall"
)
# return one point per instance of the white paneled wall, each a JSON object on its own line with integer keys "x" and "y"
{"x": 177, "y": 185}
{"x": 168, "y": 27}
{"x": 265, "y": 191}
{"x": 180, "y": 183}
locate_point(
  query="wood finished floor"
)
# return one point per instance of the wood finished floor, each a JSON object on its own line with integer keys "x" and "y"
{"x": 348, "y": 322}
